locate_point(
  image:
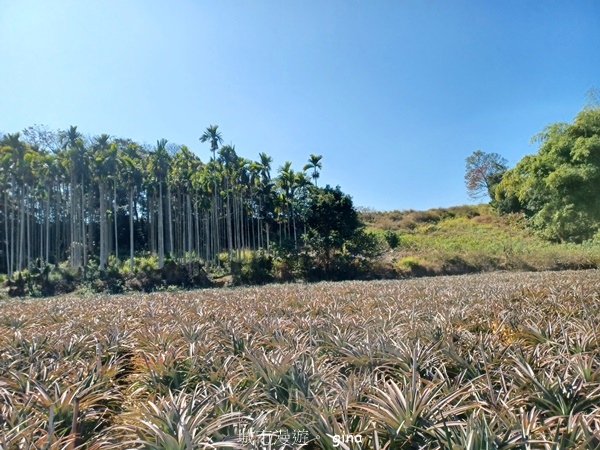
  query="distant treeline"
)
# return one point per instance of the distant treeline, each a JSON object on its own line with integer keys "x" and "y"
{"x": 66, "y": 197}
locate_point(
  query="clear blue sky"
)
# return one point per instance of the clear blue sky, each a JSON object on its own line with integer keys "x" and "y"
{"x": 394, "y": 94}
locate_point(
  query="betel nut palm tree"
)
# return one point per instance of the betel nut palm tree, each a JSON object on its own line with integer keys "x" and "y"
{"x": 314, "y": 164}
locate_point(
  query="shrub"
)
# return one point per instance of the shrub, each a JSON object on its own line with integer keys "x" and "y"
{"x": 392, "y": 239}
{"x": 113, "y": 281}
{"x": 258, "y": 270}
{"x": 16, "y": 288}
{"x": 175, "y": 274}
{"x": 146, "y": 263}
{"x": 414, "y": 266}
{"x": 285, "y": 269}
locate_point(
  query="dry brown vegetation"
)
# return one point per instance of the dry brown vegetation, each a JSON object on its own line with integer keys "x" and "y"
{"x": 502, "y": 360}
{"x": 469, "y": 239}
{"x": 410, "y": 219}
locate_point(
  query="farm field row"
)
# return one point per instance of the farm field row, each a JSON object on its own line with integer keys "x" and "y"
{"x": 499, "y": 360}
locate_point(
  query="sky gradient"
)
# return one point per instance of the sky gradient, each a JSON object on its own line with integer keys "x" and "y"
{"x": 394, "y": 94}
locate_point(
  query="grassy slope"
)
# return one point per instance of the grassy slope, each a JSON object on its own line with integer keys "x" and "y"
{"x": 472, "y": 239}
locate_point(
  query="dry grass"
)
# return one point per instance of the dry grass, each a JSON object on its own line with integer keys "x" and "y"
{"x": 471, "y": 239}
{"x": 503, "y": 360}
{"x": 409, "y": 220}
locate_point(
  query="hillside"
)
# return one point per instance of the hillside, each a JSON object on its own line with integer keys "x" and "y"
{"x": 469, "y": 238}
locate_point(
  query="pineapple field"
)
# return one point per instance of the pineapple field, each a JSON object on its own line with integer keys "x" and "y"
{"x": 490, "y": 361}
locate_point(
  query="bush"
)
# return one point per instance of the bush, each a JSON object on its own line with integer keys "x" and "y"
{"x": 145, "y": 281}
{"x": 113, "y": 281}
{"x": 175, "y": 274}
{"x": 258, "y": 270}
{"x": 285, "y": 269}
{"x": 392, "y": 239}
{"x": 16, "y": 288}
{"x": 414, "y": 266}
{"x": 146, "y": 263}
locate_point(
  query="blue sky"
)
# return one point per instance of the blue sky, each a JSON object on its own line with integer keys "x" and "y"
{"x": 394, "y": 94}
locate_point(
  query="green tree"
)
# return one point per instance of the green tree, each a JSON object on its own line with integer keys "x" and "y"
{"x": 159, "y": 168}
{"x": 74, "y": 152}
{"x": 60, "y": 190}
{"x": 228, "y": 159}
{"x": 484, "y": 172}
{"x": 23, "y": 179}
{"x": 286, "y": 182}
{"x": 314, "y": 164}
{"x": 104, "y": 166}
{"x": 130, "y": 167}
{"x": 213, "y": 136}
{"x": 559, "y": 187}
{"x": 332, "y": 222}
{"x": 265, "y": 198}
{"x": 14, "y": 153}
{"x": 184, "y": 165}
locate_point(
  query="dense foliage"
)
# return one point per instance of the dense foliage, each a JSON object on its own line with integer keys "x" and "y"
{"x": 496, "y": 361}
{"x": 94, "y": 202}
{"x": 558, "y": 188}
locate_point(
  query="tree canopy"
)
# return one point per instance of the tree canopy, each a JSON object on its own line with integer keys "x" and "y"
{"x": 68, "y": 197}
{"x": 558, "y": 188}
{"x": 483, "y": 173}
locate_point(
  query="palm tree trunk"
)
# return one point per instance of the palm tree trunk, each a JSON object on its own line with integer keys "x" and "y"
{"x": 215, "y": 232}
{"x": 294, "y": 225}
{"x": 258, "y": 224}
{"x": 161, "y": 237}
{"x": 189, "y": 229}
{"x": 83, "y": 230}
{"x": 175, "y": 229}
{"x": 28, "y": 219}
{"x": 116, "y": 226}
{"x": 207, "y": 237}
{"x": 57, "y": 221}
{"x": 229, "y": 225}
{"x": 103, "y": 233}
{"x": 253, "y": 225}
{"x": 74, "y": 228}
{"x": 242, "y": 229}
{"x": 41, "y": 231}
{"x": 13, "y": 255}
{"x": 239, "y": 227}
{"x": 48, "y": 225}
{"x": 169, "y": 220}
{"x": 152, "y": 224}
{"x": 22, "y": 230}
{"x": 6, "y": 240}
{"x": 131, "y": 262}
{"x": 89, "y": 228}
{"x": 268, "y": 246}
{"x": 180, "y": 238}
{"x": 236, "y": 229}
{"x": 197, "y": 229}
{"x": 72, "y": 221}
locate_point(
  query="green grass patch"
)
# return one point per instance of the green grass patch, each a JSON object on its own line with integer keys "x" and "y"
{"x": 472, "y": 239}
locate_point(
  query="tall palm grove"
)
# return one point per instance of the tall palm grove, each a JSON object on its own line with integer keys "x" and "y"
{"x": 66, "y": 197}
